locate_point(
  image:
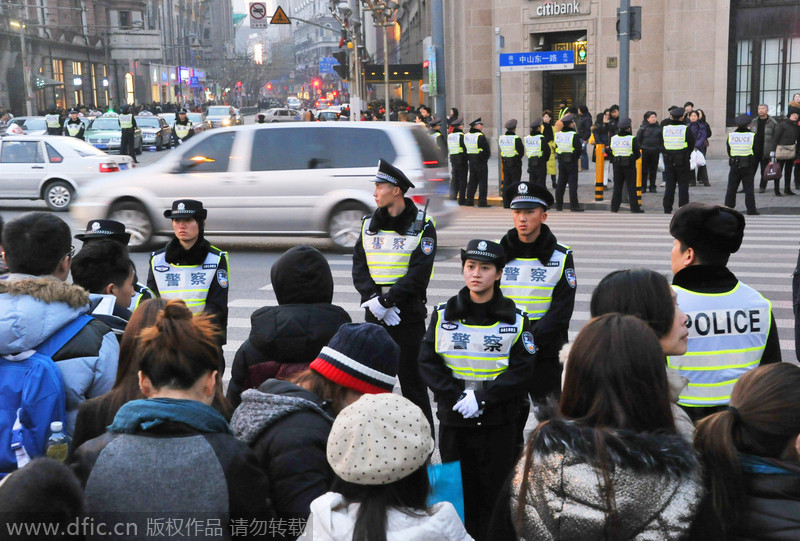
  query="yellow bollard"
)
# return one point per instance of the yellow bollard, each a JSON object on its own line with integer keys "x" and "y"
{"x": 599, "y": 166}
{"x": 639, "y": 181}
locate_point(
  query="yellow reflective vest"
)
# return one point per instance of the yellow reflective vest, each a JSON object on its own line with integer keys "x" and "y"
{"x": 741, "y": 143}
{"x": 388, "y": 253}
{"x": 530, "y": 283}
{"x": 188, "y": 282}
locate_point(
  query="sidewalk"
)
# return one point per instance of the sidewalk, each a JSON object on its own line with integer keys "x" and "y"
{"x": 767, "y": 202}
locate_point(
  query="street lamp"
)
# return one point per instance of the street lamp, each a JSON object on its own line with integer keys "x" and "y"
{"x": 24, "y": 54}
{"x": 382, "y": 12}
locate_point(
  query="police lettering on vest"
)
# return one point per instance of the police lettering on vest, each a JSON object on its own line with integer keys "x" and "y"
{"x": 53, "y": 121}
{"x": 564, "y": 142}
{"x": 508, "y": 148}
{"x": 674, "y": 137}
{"x": 73, "y": 129}
{"x": 388, "y": 253}
{"x": 530, "y": 283}
{"x": 182, "y": 130}
{"x": 622, "y": 145}
{"x": 727, "y": 337}
{"x": 471, "y": 142}
{"x": 188, "y": 282}
{"x": 475, "y": 352}
{"x": 741, "y": 143}
{"x": 454, "y": 143}
{"x": 533, "y": 145}
{"x": 125, "y": 121}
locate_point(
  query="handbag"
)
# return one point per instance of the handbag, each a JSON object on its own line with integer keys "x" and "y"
{"x": 772, "y": 171}
{"x": 785, "y": 152}
{"x": 446, "y": 485}
{"x": 661, "y": 166}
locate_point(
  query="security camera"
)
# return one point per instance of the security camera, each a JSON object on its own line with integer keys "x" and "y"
{"x": 344, "y": 9}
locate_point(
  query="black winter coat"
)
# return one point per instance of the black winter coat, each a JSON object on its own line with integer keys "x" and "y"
{"x": 584, "y": 127}
{"x": 649, "y": 136}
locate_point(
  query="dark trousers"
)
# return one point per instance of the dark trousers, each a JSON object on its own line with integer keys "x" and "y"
{"x": 796, "y": 307}
{"x": 649, "y": 168}
{"x": 487, "y": 455}
{"x": 478, "y": 180}
{"x": 624, "y": 175}
{"x": 676, "y": 175}
{"x": 745, "y": 176}
{"x": 537, "y": 171}
{"x": 567, "y": 174}
{"x": 408, "y": 335}
{"x": 458, "y": 180}
{"x": 512, "y": 173}
{"x": 787, "y": 166}
{"x": 763, "y": 183}
{"x": 126, "y": 143}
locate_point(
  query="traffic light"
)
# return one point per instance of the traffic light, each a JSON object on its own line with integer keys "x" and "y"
{"x": 316, "y": 83}
{"x": 269, "y": 86}
{"x": 343, "y": 68}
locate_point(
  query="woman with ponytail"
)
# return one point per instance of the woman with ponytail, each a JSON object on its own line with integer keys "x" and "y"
{"x": 172, "y": 454}
{"x": 751, "y": 454}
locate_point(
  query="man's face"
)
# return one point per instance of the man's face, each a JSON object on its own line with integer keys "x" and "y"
{"x": 687, "y": 109}
{"x": 384, "y": 194}
{"x": 615, "y": 113}
{"x": 124, "y": 292}
{"x": 479, "y": 126}
{"x": 528, "y": 222}
{"x": 677, "y": 257}
{"x": 763, "y": 110}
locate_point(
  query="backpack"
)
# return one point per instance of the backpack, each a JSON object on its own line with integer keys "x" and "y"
{"x": 32, "y": 396}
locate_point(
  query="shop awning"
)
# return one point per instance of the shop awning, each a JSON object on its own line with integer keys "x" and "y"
{"x": 41, "y": 82}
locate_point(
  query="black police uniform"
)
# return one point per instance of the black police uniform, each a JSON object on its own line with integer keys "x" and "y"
{"x": 512, "y": 165}
{"x": 537, "y": 166}
{"x": 434, "y": 130}
{"x": 478, "y": 169}
{"x": 54, "y": 122}
{"x": 568, "y": 168}
{"x": 74, "y": 128}
{"x": 197, "y": 273}
{"x": 676, "y": 164}
{"x": 407, "y": 293}
{"x": 743, "y": 164}
{"x": 625, "y": 168}
{"x": 127, "y": 142}
{"x": 458, "y": 162}
{"x": 485, "y": 445}
{"x": 182, "y": 127}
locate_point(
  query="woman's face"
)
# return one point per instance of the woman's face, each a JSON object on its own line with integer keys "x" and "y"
{"x": 452, "y": 113}
{"x": 693, "y": 116}
{"x": 796, "y": 98}
{"x": 652, "y": 119}
{"x": 546, "y": 119}
{"x": 606, "y": 117}
{"x": 674, "y": 342}
{"x": 793, "y": 117}
{"x": 700, "y": 114}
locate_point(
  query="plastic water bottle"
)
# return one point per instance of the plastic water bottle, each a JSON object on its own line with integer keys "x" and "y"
{"x": 58, "y": 443}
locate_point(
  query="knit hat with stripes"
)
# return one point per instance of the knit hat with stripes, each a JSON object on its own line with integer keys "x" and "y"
{"x": 362, "y": 357}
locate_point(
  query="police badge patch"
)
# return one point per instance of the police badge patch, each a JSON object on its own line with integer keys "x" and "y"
{"x": 527, "y": 341}
{"x": 161, "y": 268}
{"x": 222, "y": 278}
{"x": 571, "y": 279}
{"x": 449, "y": 326}
{"x": 427, "y": 245}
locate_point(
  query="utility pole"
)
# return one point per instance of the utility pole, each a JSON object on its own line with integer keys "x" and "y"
{"x": 386, "y": 71}
{"x": 437, "y": 40}
{"x": 498, "y": 96}
{"x": 26, "y": 76}
{"x": 624, "y": 55}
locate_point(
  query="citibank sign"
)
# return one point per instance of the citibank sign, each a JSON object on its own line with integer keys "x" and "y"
{"x": 551, "y": 8}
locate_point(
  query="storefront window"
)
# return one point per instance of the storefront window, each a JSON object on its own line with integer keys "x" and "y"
{"x": 771, "y": 72}
{"x": 744, "y": 59}
{"x": 793, "y": 68}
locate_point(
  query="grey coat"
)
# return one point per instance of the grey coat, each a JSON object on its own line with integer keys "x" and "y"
{"x": 769, "y": 135}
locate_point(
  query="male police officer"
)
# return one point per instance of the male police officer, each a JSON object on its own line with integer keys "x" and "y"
{"x": 182, "y": 128}
{"x": 568, "y": 152}
{"x": 625, "y": 151}
{"x": 539, "y": 277}
{"x": 112, "y": 230}
{"x": 458, "y": 162}
{"x": 538, "y": 152}
{"x": 73, "y": 127}
{"x": 478, "y": 154}
{"x": 678, "y": 143}
{"x": 392, "y": 265}
{"x": 743, "y": 163}
{"x": 731, "y": 327}
{"x": 511, "y": 151}
{"x": 127, "y": 123}
{"x": 53, "y": 121}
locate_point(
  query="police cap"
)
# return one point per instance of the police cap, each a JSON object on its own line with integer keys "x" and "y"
{"x": 186, "y": 208}
{"x": 566, "y": 119}
{"x": 476, "y": 122}
{"x": 743, "y": 121}
{"x": 624, "y": 123}
{"x": 711, "y": 228}
{"x": 434, "y": 121}
{"x": 104, "y": 229}
{"x": 526, "y": 195}
{"x": 484, "y": 250}
{"x": 457, "y": 122}
{"x": 536, "y": 123}
{"x": 511, "y": 124}
{"x": 73, "y": 111}
{"x": 391, "y": 174}
{"x": 677, "y": 112}
{"x": 181, "y": 111}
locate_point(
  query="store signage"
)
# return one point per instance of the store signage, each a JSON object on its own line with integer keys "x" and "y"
{"x": 551, "y": 8}
{"x": 537, "y": 61}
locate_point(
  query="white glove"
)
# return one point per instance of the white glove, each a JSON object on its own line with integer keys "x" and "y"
{"x": 375, "y": 306}
{"x": 391, "y": 318}
{"x": 467, "y": 406}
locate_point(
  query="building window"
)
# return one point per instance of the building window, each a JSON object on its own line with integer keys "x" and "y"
{"x": 58, "y": 70}
{"x": 124, "y": 19}
{"x": 94, "y": 84}
{"x": 744, "y": 59}
{"x": 770, "y": 82}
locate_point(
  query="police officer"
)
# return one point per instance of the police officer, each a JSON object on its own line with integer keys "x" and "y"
{"x": 434, "y": 130}
{"x": 678, "y": 143}
{"x": 539, "y": 276}
{"x": 53, "y": 121}
{"x": 731, "y": 326}
{"x": 478, "y": 154}
{"x": 511, "y": 152}
{"x": 458, "y": 162}
{"x": 568, "y": 153}
{"x": 261, "y": 118}
{"x": 625, "y": 151}
{"x": 182, "y": 128}
{"x": 743, "y": 164}
{"x": 538, "y": 152}
{"x": 111, "y": 229}
{"x": 127, "y": 123}
{"x": 73, "y": 127}
{"x": 477, "y": 357}
{"x": 190, "y": 268}
{"x": 392, "y": 265}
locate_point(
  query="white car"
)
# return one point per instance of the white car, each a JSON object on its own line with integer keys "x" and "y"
{"x": 52, "y": 167}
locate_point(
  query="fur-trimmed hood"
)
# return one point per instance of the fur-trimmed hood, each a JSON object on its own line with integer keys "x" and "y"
{"x": 34, "y": 307}
{"x": 655, "y": 479}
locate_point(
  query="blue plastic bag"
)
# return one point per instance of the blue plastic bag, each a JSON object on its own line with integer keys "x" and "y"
{"x": 446, "y": 486}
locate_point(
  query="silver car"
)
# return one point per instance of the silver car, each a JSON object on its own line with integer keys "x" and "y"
{"x": 303, "y": 179}
{"x": 221, "y": 116}
{"x": 280, "y": 114}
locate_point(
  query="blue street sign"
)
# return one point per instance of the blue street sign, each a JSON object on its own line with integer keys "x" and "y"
{"x": 194, "y": 81}
{"x": 538, "y": 61}
{"x": 326, "y": 64}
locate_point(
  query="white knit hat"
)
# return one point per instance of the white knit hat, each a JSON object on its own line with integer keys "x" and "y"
{"x": 379, "y": 439}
